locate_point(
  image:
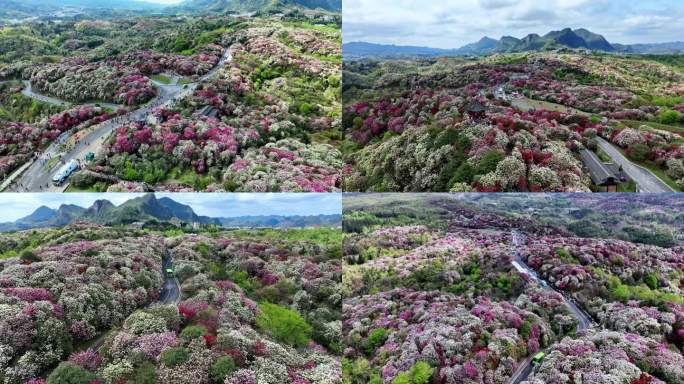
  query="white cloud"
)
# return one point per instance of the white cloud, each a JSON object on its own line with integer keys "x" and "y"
{"x": 453, "y": 23}
{"x": 496, "y": 4}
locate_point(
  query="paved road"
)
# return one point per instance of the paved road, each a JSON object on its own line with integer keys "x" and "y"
{"x": 584, "y": 321}
{"x": 38, "y": 178}
{"x": 170, "y": 294}
{"x": 645, "y": 179}
{"x": 46, "y": 99}
{"x": 171, "y": 290}
{"x": 27, "y": 91}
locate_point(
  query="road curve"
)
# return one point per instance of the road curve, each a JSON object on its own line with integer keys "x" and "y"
{"x": 645, "y": 179}
{"x": 38, "y": 178}
{"x": 584, "y": 321}
{"x": 170, "y": 294}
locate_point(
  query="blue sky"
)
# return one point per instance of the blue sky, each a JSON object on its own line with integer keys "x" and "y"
{"x": 164, "y": 1}
{"x": 454, "y": 23}
{"x": 16, "y": 205}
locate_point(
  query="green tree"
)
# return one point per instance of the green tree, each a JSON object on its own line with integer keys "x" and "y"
{"x": 639, "y": 152}
{"x": 29, "y": 255}
{"x": 221, "y": 368}
{"x": 172, "y": 357}
{"x": 651, "y": 279}
{"x": 669, "y": 116}
{"x": 489, "y": 162}
{"x": 70, "y": 373}
{"x": 464, "y": 174}
{"x": 192, "y": 332}
{"x": 284, "y": 324}
{"x": 374, "y": 340}
{"x": 420, "y": 373}
{"x": 181, "y": 44}
{"x": 145, "y": 374}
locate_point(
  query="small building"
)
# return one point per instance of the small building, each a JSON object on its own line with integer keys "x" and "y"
{"x": 476, "y": 110}
{"x": 601, "y": 174}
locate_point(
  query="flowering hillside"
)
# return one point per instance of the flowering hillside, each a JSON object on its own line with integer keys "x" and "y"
{"x": 468, "y": 288}
{"x": 20, "y": 141}
{"x": 209, "y": 103}
{"x": 274, "y": 127}
{"x": 80, "y": 281}
{"x": 255, "y": 306}
{"x": 507, "y": 123}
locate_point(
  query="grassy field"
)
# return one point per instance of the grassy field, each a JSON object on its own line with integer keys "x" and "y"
{"x": 527, "y": 104}
{"x": 659, "y": 172}
{"x": 162, "y": 79}
{"x": 627, "y": 187}
{"x": 663, "y": 127}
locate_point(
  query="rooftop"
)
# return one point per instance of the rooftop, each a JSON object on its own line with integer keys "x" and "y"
{"x": 600, "y": 173}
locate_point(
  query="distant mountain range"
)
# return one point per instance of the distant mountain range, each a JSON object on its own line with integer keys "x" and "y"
{"x": 147, "y": 208}
{"x": 280, "y": 221}
{"x": 567, "y": 38}
{"x": 18, "y": 10}
{"x": 238, "y": 6}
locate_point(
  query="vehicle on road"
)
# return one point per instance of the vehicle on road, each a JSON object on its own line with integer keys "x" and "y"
{"x": 536, "y": 360}
{"x": 169, "y": 272}
{"x": 90, "y": 156}
{"x": 64, "y": 172}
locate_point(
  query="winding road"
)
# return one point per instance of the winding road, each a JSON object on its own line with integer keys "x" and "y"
{"x": 28, "y": 91}
{"x": 646, "y": 181}
{"x": 170, "y": 294}
{"x": 584, "y": 321}
{"x": 38, "y": 176}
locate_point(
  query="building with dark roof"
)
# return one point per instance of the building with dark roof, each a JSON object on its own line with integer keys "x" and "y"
{"x": 601, "y": 174}
{"x": 475, "y": 109}
{"x": 208, "y": 111}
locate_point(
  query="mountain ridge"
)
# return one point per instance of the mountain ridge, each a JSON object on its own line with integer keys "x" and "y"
{"x": 567, "y": 38}
{"x": 148, "y": 208}
{"x": 237, "y": 6}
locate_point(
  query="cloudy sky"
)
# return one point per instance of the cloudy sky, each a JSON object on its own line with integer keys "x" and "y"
{"x": 17, "y": 205}
{"x": 454, "y": 23}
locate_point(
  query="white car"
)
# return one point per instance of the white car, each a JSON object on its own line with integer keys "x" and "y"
{"x": 64, "y": 172}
